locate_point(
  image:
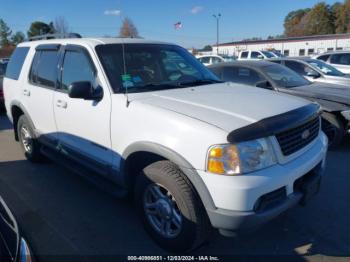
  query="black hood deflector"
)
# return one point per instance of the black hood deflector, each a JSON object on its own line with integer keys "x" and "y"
{"x": 275, "y": 124}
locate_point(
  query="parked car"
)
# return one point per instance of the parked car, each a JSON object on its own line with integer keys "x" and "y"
{"x": 13, "y": 247}
{"x": 334, "y": 99}
{"x": 315, "y": 70}
{"x": 196, "y": 153}
{"x": 2, "y": 73}
{"x": 210, "y": 59}
{"x": 339, "y": 59}
{"x": 255, "y": 55}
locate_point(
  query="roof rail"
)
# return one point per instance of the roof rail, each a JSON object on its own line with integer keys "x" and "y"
{"x": 54, "y": 36}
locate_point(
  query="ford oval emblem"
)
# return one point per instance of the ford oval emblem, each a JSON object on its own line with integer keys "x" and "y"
{"x": 305, "y": 134}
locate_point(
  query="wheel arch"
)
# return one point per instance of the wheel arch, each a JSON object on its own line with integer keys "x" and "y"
{"x": 153, "y": 152}
{"x": 17, "y": 109}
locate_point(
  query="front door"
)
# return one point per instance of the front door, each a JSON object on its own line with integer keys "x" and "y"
{"x": 83, "y": 125}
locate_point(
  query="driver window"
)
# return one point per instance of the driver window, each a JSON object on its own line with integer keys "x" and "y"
{"x": 76, "y": 68}
{"x": 298, "y": 67}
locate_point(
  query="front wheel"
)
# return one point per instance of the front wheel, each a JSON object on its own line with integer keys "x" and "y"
{"x": 333, "y": 127}
{"x": 170, "y": 208}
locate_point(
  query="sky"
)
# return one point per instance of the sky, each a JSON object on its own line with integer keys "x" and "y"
{"x": 155, "y": 19}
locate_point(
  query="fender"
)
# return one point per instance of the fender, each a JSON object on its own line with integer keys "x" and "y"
{"x": 20, "y": 105}
{"x": 177, "y": 159}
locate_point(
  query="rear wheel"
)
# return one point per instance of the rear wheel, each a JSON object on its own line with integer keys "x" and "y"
{"x": 333, "y": 127}
{"x": 29, "y": 143}
{"x": 170, "y": 209}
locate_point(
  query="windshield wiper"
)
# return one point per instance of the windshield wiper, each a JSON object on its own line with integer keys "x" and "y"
{"x": 150, "y": 87}
{"x": 199, "y": 82}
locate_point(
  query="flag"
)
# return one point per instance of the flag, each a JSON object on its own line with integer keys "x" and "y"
{"x": 178, "y": 25}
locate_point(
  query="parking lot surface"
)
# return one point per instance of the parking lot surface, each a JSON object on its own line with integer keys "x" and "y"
{"x": 62, "y": 214}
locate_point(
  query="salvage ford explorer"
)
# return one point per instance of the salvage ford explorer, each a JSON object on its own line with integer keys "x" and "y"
{"x": 147, "y": 118}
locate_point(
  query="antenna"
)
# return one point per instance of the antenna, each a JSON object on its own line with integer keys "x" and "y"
{"x": 124, "y": 65}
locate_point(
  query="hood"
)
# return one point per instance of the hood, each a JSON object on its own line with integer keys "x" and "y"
{"x": 325, "y": 91}
{"x": 228, "y": 106}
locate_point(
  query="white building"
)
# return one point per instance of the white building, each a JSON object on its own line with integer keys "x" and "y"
{"x": 292, "y": 46}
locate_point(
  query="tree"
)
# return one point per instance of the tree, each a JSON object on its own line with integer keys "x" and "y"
{"x": 5, "y": 33}
{"x": 61, "y": 25}
{"x": 207, "y": 48}
{"x": 292, "y": 22}
{"x": 40, "y": 28}
{"x": 320, "y": 20}
{"x": 17, "y": 38}
{"x": 128, "y": 29}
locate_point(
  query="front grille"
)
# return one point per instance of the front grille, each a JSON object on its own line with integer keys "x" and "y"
{"x": 296, "y": 138}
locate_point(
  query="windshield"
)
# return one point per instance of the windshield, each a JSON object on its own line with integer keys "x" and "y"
{"x": 3, "y": 68}
{"x": 149, "y": 67}
{"x": 268, "y": 54}
{"x": 325, "y": 68}
{"x": 284, "y": 77}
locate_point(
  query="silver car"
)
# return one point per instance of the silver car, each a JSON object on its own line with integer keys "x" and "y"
{"x": 338, "y": 59}
{"x": 315, "y": 70}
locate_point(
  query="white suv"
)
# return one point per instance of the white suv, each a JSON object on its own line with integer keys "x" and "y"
{"x": 148, "y": 118}
{"x": 255, "y": 55}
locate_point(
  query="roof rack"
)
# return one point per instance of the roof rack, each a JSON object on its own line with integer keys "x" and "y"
{"x": 54, "y": 36}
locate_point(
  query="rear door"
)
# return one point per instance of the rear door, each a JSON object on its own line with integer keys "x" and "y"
{"x": 83, "y": 125}
{"x": 38, "y": 91}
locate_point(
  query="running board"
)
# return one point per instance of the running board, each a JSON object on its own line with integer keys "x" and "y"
{"x": 97, "y": 180}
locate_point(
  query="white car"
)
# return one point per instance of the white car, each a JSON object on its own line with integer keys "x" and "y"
{"x": 339, "y": 59}
{"x": 255, "y": 55}
{"x": 210, "y": 59}
{"x": 147, "y": 118}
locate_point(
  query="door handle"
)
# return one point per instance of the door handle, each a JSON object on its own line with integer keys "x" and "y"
{"x": 26, "y": 92}
{"x": 61, "y": 104}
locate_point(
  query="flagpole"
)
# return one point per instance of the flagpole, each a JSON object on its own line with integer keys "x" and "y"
{"x": 217, "y": 17}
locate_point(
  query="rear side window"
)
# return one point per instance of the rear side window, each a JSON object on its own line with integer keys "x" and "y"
{"x": 340, "y": 59}
{"x": 241, "y": 75}
{"x": 14, "y": 67}
{"x": 44, "y": 68}
{"x": 244, "y": 55}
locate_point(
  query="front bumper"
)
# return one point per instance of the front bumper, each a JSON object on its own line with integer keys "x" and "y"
{"x": 232, "y": 222}
{"x": 236, "y": 197}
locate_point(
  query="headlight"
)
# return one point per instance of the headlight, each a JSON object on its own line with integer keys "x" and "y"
{"x": 346, "y": 114}
{"x": 240, "y": 158}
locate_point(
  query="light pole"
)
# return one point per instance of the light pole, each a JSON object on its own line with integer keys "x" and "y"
{"x": 217, "y": 17}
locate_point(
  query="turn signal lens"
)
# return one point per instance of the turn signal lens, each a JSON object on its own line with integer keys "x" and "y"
{"x": 223, "y": 160}
{"x": 216, "y": 166}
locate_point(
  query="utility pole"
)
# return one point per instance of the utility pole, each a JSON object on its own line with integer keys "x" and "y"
{"x": 217, "y": 17}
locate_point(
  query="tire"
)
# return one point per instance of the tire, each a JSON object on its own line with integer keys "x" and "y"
{"x": 333, "y": 127}
{"x": 29, "y": 144}
{"x": 181, "y": 204}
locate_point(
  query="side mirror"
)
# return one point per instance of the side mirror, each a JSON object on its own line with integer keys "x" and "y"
{"x": 260, "y": 57}
{"x": 264, "y": 84}
{"x": 85, "y": 90}
{"x": 313, "y": 74}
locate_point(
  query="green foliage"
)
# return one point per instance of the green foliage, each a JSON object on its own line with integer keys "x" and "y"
{"x": 320, "y": 19}
{"x": 5, "y": 33}
{"x": 17, "y": 38}
{"x": 40, "y": 28}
